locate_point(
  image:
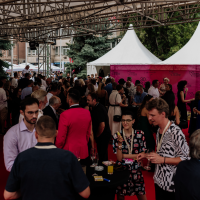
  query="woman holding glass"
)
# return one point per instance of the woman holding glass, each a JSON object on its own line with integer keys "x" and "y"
{"x": 128, "y": 145}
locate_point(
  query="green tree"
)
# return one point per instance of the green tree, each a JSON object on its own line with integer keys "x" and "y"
{"x": 4, "y": 45}
{"x": 87, "y": 48}
{"x": 164, "y": 41}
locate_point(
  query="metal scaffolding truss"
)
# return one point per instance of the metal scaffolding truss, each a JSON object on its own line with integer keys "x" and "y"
{"x": 40, "y": 20}
{"x": 44, "y": 59}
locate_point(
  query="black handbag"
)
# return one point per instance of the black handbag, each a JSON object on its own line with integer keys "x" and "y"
{"x": 116, "y": 118}
{"x": 183, "y": 124}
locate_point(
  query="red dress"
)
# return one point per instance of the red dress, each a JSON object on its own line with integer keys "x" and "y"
{"x": 74, "y": 131}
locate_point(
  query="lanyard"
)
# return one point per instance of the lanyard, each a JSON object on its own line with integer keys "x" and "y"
{"x": 160, "y": 142}
{"x": 129, "y": 149}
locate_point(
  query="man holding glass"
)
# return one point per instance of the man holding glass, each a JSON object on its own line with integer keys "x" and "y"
{"x": 172, "y": 148}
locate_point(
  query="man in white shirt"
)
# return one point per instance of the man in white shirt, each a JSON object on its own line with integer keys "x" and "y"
{"x": 25, "y": 70}
{"x": 14, "y": 82}
{"x": 43, "y": 82}
{"x": 3, "y": 107}
{"x": 53, "y": 92}
{"x": 153, "y": 90}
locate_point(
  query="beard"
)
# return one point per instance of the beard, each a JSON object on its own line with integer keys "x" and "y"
{"x": 30, "y": 121}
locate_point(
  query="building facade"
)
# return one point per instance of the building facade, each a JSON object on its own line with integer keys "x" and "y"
{"x": 19, "y": 54}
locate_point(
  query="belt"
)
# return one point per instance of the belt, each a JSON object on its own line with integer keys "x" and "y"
{"x": 114, "y": 105}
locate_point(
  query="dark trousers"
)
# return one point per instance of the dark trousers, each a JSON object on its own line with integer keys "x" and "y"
{"x": 163, "y": 195}
{"x": 102, "y": 147}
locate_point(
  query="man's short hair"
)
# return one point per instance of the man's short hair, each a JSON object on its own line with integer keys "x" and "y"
{"x": 93, "y": 81}
{"x": 92, "y": 74}
{"x": 28, "y": 102}
{"x": 118, "y": 87}
{"x": 74, "y": 95}
{"x": 15, "y": 74}
{"x": 194, "y": 145}
{"x": 1, "y": 84}
{"x": 129, "y": 78}
{"x": 46, "y": 127}
{"x": 94, "y": 96}
{"x": 154, "y": 82}
{"x": 53, "y": 100}
{"x": 26, "y": 75}
{"x": 160, "y": 105}
{"x": 54, "y": 87}
{"x": 108, "y": 80}
{"x": 140, "y": 86}
{"x": 137, "y": 82}
{"x": 30, "y": 82}
{"x": 39, "y": 95}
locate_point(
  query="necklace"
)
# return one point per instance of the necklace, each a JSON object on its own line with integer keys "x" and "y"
{"x": 130, "y": 149}
{"x": 160, "y": 141}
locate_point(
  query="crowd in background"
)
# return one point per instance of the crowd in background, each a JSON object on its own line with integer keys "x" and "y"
{"x": 103, "y": 109}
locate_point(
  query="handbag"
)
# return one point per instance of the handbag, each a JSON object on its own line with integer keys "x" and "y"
{"x": 116, "y": 118}
{"x": 183, "y": 124}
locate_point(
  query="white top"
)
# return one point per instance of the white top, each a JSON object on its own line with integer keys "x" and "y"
{"x": 40, "y": 114}
{"x": 153, "y": 92}
{"x": 44, "y": 83}
{"x": 24, "y": 71}
{"x": 14, "y": 82}
{"x": 42, "y": 87}
{"x": 3, "y": 99}
{"x": 115, "y": 98}
{"x": 49, "y": 95}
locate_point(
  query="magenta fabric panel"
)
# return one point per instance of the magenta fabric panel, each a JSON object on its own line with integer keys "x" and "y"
{"x": 175, "y": 73}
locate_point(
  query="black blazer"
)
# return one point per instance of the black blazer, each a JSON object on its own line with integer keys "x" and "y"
{"x": 49, "y": 111}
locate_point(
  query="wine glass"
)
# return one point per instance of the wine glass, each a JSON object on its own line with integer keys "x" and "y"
{"x": 96, "y": 160}
{"x": 92, "y": 156}
{"x": 148, "y": 162}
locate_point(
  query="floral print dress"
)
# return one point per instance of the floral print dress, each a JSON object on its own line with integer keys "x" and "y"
{"x": 135, "y": 184}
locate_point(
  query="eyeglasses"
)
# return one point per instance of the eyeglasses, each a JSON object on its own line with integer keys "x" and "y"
{"x": 126, "y": 120}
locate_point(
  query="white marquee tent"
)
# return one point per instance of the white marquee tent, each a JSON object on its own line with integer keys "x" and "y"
{"x": 189, "y": 54}
{"x": 129, "y": 51}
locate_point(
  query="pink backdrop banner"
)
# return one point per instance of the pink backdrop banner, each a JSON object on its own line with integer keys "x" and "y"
{"x": 176, "y": 73}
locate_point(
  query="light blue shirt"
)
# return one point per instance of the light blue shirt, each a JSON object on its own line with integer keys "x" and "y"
{"x": 17, "y": 139}
{"x": 138, "y": 98}
{"x": 25, "y": 92}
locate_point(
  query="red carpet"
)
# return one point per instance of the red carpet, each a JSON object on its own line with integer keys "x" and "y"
{"x": 148, "y": 176}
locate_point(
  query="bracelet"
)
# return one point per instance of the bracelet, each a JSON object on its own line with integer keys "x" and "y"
{"x": 120, "y": 147}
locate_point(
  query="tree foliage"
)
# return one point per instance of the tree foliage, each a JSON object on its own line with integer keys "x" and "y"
{"x": 4, "y": 45}
{"x": 88, "y": 48}
{"x": 164, "y": 41}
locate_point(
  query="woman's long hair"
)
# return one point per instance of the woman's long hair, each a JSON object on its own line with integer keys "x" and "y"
{"x": 169, "y": 97}
{"x": 181, "y": 85}
{"x": 145, "y": 100}
{"x": 100, "y": 87}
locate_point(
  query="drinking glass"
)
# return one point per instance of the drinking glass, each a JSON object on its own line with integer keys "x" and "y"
{"x": 96, "y": 160}
{"x": 92, "y": 156}
{"x": 148, "y": 162}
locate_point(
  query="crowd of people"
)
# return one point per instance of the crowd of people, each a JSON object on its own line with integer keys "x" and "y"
{"x": 50, "y": 117}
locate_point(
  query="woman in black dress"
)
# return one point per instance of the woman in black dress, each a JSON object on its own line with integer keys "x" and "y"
{"x": 182, "y": 85}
